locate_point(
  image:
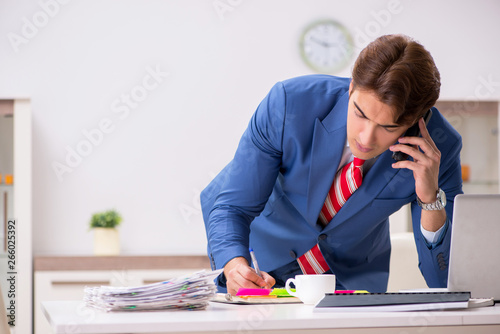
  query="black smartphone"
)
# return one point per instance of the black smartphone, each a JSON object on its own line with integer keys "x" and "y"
{"x": 413, "y": 131}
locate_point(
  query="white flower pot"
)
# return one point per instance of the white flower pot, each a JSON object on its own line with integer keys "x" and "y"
{"x": 106, "y": 241}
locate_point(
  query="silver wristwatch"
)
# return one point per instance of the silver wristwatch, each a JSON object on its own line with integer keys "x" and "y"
{"x": 437, "y": 205}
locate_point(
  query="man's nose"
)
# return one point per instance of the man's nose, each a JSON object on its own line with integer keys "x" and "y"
{"x": 367, "y": 135}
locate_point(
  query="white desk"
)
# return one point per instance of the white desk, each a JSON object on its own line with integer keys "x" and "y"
{"x": 74, "y": 317}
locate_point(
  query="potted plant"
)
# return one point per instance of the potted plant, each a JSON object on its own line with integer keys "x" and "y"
{"x": 106, "y": 237}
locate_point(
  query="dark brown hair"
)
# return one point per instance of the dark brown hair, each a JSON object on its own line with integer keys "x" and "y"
{"x": 402, "y": 73}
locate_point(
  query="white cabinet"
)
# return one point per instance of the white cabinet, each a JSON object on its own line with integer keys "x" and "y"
{"x": 69, "y": 285}
{"x": 477, "y": 122}
{"x": 15, "y": 199}
{"x": 64, "y": 278}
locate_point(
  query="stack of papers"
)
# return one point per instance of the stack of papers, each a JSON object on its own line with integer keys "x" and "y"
{"x": 190, "y": 292}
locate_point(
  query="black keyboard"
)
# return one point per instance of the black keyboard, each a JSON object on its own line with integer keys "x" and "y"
{"x": 390, "y": 298}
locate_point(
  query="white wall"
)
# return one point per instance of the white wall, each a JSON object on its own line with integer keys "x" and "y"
{"x": 214, "y": 69}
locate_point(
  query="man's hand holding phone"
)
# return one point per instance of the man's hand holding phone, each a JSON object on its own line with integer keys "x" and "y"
{"x": 425, "y": 166}
{"x": 413, "y": 131}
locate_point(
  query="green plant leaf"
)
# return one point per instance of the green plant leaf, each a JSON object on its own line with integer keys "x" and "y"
{"x": 106, "y": 219}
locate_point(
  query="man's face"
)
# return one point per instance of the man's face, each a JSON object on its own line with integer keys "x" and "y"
{"x": 370, "y": 125}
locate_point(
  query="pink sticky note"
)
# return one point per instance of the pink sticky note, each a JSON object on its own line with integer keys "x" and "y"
{"x": 345, "y": 291}
{"x": 253, "y": 292}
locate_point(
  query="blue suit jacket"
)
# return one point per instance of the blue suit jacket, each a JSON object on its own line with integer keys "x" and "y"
{"x": 270, "y": 195}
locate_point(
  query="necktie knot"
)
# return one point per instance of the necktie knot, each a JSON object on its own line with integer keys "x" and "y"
{"x": 357, "y": 162}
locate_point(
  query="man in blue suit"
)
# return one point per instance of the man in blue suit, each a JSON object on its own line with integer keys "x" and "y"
{"x": 270, "y": 195}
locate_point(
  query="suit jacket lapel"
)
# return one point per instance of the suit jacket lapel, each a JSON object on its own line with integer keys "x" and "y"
{"x": 327, "y": 146}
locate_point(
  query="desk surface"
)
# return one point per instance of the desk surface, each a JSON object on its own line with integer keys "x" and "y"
{"x": 74, "y": 317}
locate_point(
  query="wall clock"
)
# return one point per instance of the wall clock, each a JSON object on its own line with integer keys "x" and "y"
{"x": 326, "y": 46}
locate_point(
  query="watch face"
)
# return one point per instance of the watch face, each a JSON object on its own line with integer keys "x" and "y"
{"x": 326, "y": 46}
{"x": 442, "y": 197}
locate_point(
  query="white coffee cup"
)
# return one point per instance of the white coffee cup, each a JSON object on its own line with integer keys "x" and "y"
{"x": 311, "y": 288}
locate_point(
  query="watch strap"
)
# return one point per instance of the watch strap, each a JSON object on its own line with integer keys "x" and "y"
{"x": 437, "y": 205}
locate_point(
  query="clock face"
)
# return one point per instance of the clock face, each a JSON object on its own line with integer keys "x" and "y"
{"x": 326, "y": 46}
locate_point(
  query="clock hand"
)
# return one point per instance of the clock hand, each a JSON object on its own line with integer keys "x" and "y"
{"x": 323, "y": 43}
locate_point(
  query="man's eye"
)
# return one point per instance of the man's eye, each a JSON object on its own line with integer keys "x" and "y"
{"x": 391, "y": 129}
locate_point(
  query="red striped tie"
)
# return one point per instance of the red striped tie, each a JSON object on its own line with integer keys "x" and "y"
{"x": 347, "y": 180}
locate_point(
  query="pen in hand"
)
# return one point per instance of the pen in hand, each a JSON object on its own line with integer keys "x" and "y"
{"x": 255, "y": 264}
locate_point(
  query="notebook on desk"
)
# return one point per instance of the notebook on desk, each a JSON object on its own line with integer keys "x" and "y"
{"x": 393, "y": 301}
{"x": 474, "y": 263}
